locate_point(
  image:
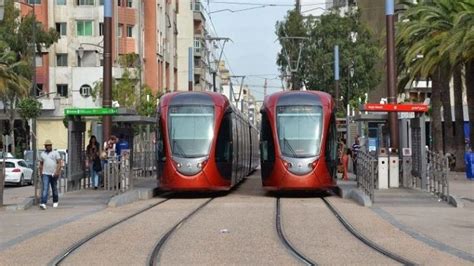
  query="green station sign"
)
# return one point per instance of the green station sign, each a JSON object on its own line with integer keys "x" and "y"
{"x": 91, "y": 111}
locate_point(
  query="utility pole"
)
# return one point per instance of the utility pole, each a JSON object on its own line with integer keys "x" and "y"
{"x": 107, "y": 85}
{"x": 214, "y": 72}
{"x": 265, "y": 89}
{"x": 336, "y": 73}
{"x": 298, "y": 6}
{"x": 391, "y": 72}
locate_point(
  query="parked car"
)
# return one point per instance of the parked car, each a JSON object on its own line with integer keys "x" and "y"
{"x": 17, "y": 172}
{"x": 7, "y": 155}
{"x": 28, "y": 156}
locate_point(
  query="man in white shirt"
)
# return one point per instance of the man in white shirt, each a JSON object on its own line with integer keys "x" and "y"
{"x": 50, "y": 169}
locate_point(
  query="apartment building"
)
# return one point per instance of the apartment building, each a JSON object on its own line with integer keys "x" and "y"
{"x": 69, "y": 69}
{"x": 196, "y": 52}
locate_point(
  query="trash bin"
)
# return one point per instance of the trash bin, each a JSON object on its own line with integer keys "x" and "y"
{"x": 469, "y": 160}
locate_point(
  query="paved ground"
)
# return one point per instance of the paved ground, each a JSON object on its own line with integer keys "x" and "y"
{"x": 435, "y": 222}
{"x": 240, "y": 229}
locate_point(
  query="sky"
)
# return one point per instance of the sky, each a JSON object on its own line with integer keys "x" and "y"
{"x": 254, "y": 47}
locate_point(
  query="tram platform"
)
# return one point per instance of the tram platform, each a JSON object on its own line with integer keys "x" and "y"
{"x": 425, "y": 217}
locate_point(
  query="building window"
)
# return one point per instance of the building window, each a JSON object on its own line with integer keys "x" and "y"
{"x": 130, "y": 31}
{"x": 61, "y": 28}
{"x": 85, "y": 2}
{"x": 197, "y": 45}
{"x": 39, "y": 89}
{"x": 101, "y": 29}
{"x": 34, "y": 2}
{"x": 129, "y": 3}
{"x": 101, "y": 2}
{"x": 61, "y": 90}
{"x": 84, "y": 28}
{"x": 119, "y": 2}
{"x": 39, "y": 60}
{"x": 61, "y": 2}
{"x": 61, "y": 60}
{"x": 119, "y": 30}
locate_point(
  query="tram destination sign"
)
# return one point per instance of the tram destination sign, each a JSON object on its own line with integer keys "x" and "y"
{"x": 390, "y": 107}
{"x": 91, "y": 111}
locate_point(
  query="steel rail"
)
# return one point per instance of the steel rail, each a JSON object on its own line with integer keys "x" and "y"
{"x": 297, "y": 254}
{"x": 60, "y": 258}
{"x": 365, "y": 240}
{"x": 154, "y": 258}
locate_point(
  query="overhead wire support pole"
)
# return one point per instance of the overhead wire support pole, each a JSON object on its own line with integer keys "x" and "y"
{"x": 107, "y": 74}
{"x": 293, "y": 69}
{"x": 336, "y": 74}
{"x": 391, "y": 72}
{"x": 214, "y": 73}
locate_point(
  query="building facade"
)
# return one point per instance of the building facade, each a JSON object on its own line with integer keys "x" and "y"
{"x": 145, "y": 30}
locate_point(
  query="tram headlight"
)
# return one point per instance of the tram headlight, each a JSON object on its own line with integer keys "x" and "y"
{"x": 312, "y": 165}
{"x": 201, "y": 164}
{"x": 178, "y": 165}
{"x": 287, "y": 164}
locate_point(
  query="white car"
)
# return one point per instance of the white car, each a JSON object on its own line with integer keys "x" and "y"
{"x": 17, "y": 172}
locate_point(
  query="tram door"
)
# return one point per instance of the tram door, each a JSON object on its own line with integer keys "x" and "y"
{"x": 267, "y": 147}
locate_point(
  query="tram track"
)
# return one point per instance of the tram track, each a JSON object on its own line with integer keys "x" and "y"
{"x": 308, "y": 260}
{"x": 349, "y": 227}
{"x": 71, "y": 250}
{"x": 154, "y": 257}
{"x": 279, "y": 228}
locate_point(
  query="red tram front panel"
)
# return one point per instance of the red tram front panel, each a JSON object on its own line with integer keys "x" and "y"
{"x": 298, "y": 141}
{"x": 197, "y": 149}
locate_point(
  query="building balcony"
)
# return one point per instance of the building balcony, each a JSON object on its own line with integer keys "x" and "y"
{"x": 198, "y": 11}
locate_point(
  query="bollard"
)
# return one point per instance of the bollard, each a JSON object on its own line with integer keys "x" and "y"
{"x": 406, "y": 168}
{"x": 394, "y": 172}
{"x": 382, "y": 182}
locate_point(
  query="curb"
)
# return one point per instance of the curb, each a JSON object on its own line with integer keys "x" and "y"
{"x": 455, "y": 201}
{"x": 24, "y": 205}
{"x": 354, "y": 194}
{"x": 132, "y": 196}
{"x": 361, "y": 198}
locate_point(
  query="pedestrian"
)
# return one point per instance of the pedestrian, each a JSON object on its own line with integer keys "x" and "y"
{"x": 355, "y": 151}
{"x": 91, "y": 149}
{"x": 109, "y": 146}
{"x": 96, "y": 167}
{"x": 121, "y": 145}
{"x": 50, "y": 169}
{"x": 345, "y": 163}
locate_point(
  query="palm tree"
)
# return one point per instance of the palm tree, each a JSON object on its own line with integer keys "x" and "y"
{"x": 13, "y": 86}
{"x": 432, "y": 30}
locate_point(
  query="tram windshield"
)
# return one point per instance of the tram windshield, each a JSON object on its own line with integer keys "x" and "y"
{"x": 299, "y": 130}
{"x": 191, "y": 130}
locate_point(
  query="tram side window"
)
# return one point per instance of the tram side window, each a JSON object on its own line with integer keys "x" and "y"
{"x": 160, "y": 147}
{"x": 224, "y": 140}
{"x": 267, "y": 150}
{"x": 331, "y": 145}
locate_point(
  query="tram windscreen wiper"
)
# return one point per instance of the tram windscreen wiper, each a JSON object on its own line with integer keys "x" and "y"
{"x": 178, "y": 150}
{"x": 287, "y": 143}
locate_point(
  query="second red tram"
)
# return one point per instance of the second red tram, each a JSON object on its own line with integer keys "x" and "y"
{"x": 298, "y": 145}
{"x": 204, "y": 142}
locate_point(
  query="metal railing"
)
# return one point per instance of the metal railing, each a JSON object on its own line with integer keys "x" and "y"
{"x": 438, "y": 170}
{"x": 366, "y": 173}
{"x": 144, "y": 156}
{"x": 117, "y": 175}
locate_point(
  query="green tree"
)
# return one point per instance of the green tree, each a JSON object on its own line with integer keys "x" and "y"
{"x": 124, "y": 89}
{"x": 359, "y": 54}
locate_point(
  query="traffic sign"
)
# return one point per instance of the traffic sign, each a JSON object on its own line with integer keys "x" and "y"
{"x": 91, "y": 111}
{"x": 390, "y": 107}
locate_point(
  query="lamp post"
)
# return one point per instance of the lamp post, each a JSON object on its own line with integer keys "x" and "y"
{"x": 33, "y": 94}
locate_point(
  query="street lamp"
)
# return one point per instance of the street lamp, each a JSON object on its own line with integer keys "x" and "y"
{"x": 33, "y": 94}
